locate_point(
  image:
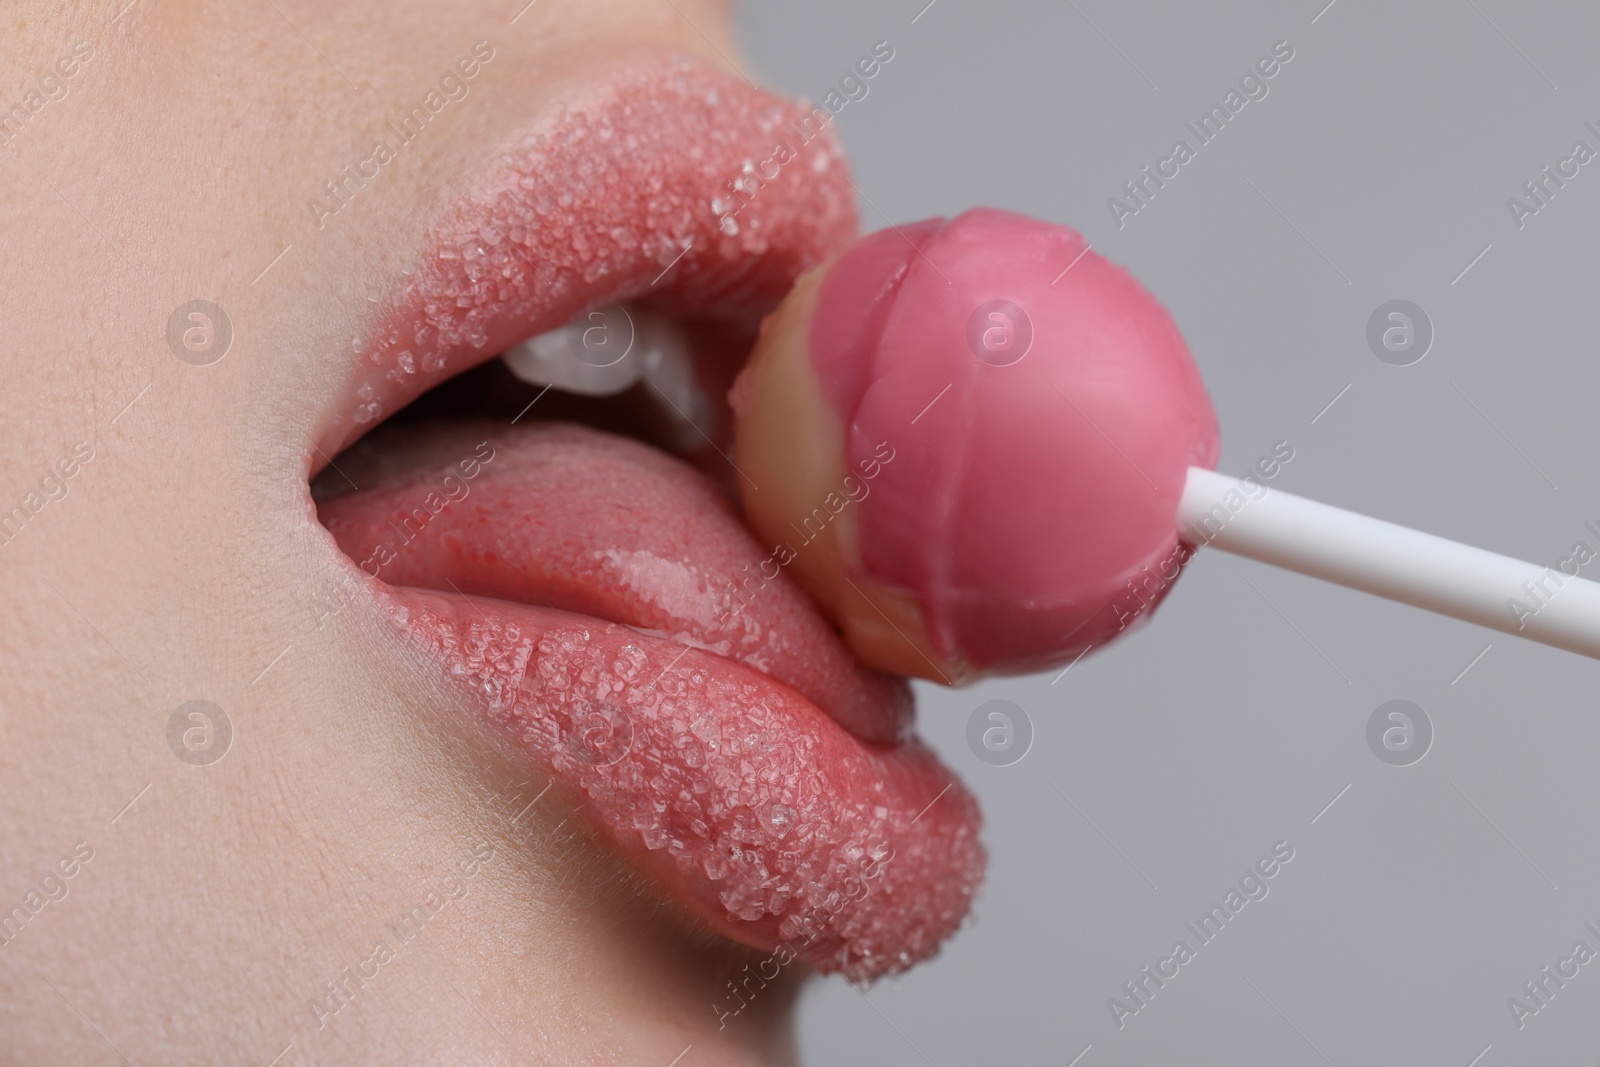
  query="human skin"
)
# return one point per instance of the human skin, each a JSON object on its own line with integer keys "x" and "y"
{"x": 220, "y": 899}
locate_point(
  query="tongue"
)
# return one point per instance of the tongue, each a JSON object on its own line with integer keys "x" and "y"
{"x": 733, "y": 751}
{"x": 561, "y": 516}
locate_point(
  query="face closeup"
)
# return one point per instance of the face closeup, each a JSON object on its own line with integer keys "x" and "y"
{"x": 362, "y": 701}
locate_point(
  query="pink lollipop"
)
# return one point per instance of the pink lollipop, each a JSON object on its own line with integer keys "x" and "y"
{"x": 985, "y": 449}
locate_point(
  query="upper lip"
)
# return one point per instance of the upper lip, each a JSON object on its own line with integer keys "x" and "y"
{"x": 514, "y": 260}
{"x": 609, "y": 199}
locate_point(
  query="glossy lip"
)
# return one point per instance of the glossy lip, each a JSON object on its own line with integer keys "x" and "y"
{"x": 610, "y": 199}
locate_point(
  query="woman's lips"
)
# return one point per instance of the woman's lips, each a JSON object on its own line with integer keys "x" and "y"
{"x": 696, "y": 717}
{"x": 766, "y": 780}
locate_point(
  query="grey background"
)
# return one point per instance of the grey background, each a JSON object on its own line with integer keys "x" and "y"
{"x": 1381, "y": 161}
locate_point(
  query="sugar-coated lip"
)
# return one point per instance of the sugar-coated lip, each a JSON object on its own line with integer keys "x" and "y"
{"x": 1046, "y": 411}
{"x": 616, "y": 195}
{"x": 767, "y": 783}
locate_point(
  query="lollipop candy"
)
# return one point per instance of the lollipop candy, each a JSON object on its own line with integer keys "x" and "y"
{"x": 983, "y": 448}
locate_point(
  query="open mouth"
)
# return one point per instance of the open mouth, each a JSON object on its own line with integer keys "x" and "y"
{"x": 570, "y": 556}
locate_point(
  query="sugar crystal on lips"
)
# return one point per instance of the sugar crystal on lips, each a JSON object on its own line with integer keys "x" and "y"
{"x": 778, "y": 845}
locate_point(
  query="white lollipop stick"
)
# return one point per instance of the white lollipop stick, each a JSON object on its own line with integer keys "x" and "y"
{"x": 1249, "y": 519}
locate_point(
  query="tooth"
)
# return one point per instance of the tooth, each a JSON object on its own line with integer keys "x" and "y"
{"x": 669, "y": 367}
{"x": 611, "y": 349}
{"x": 598, "y": 355}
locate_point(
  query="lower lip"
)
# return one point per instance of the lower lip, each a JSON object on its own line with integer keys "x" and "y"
{"x": 754, "y": 809}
